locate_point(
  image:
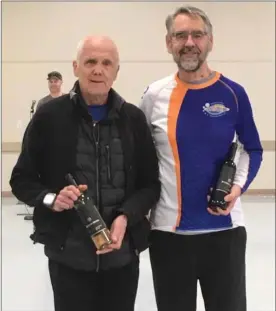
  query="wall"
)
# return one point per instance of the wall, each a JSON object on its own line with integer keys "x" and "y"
{"x": 41, "y": 37}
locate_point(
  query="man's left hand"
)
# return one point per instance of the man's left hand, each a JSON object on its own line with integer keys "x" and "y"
{"x": 231, "y": 198}
{"x": 117, "y": 231}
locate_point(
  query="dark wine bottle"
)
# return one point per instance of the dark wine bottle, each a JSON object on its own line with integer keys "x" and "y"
{"x": 91, "y": 218}
{"x": 225, "y": 180}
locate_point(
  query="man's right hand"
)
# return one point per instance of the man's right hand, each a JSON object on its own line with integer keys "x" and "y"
{"x": 67, "y": 196}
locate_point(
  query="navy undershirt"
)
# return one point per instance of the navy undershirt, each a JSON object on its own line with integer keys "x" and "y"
{"x": 98, "y": 112}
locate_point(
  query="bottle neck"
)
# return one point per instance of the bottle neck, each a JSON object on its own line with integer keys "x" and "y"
{"x": 232, "y": 151}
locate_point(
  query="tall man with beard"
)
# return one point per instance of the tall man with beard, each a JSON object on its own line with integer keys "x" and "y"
{"x": 194, "y": 116}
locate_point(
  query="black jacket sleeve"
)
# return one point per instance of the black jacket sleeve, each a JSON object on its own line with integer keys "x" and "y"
{"x": 25, "y": 179}
{"x": 148, "y": 186}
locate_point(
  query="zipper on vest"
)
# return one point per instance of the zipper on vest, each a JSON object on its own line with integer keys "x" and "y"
{"x": 96, "y": 137}
{"x": 108, "y": 162}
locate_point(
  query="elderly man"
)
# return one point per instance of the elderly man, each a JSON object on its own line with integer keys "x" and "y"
{"x": 105, "y": 144}
{"x": 194, "y": 116}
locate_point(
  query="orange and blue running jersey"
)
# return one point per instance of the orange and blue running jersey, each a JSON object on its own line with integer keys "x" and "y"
{"x": 193, "y": 126}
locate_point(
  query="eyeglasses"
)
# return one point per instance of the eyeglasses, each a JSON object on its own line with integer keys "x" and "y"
{"x": 196, "y": 35}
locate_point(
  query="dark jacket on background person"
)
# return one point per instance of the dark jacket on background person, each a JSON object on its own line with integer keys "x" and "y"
{"x": 115, "y": 157}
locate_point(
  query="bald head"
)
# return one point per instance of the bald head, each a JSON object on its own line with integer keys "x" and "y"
{"x": 96, "y": 65}
{"x": 103, "y": 43}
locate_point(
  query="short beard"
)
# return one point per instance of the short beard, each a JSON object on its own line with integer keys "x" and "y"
{"x": 190, "y": 66}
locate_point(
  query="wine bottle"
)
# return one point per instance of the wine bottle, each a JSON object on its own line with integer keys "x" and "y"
{"x": 225, "y": 180}
{"x": 91, "y": 218}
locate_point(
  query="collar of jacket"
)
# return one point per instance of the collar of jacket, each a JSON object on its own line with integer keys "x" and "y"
{"x": 114, "y": 102}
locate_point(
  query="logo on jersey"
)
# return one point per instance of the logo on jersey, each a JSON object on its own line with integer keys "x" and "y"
{"x": 216, "y": 109}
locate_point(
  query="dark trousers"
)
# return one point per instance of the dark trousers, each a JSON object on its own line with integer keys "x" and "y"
{"x": 76, "y": 290}
{"x": 216, "y": 260}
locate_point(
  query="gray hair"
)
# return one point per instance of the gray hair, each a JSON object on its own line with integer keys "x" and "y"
{"x": 191, "y": 11}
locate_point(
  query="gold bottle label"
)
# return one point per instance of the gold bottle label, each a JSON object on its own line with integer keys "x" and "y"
{"x": 102, "y": 239}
